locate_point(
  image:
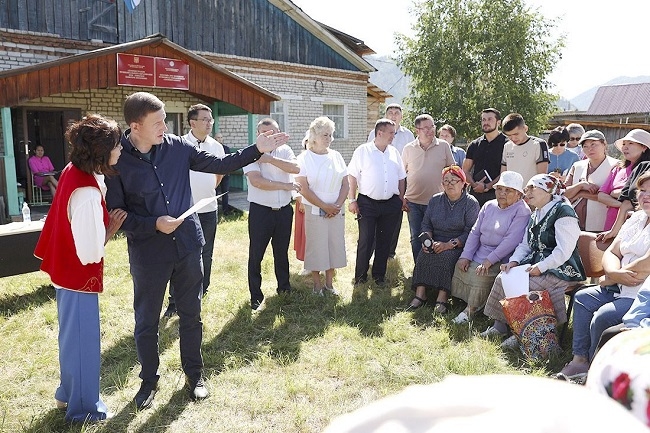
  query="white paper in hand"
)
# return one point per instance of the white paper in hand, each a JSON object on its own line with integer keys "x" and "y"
{"x": 516, "y": 281}
{"x": 199, "y": 205}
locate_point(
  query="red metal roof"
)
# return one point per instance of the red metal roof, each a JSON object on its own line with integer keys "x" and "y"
{"x": 621, "y": 99}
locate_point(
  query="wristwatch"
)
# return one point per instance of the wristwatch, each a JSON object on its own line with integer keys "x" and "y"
{"x": 454, "y": 243}
{"x": 352, "y": 200}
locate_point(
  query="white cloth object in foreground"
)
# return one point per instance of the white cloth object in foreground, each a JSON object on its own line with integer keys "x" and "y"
{"x": 490, "y": 403}
{"x": 620, "y": 370}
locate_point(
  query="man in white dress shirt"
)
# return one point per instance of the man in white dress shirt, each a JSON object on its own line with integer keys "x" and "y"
{"x": 377, "y": 173}
{"x": 270, "y": 184}
{"x": 203, "y": 185}
{"x": 402, "y": 137}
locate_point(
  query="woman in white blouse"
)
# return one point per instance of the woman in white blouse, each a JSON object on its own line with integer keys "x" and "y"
{"x": 626, "y": 267}
{"x": 324, "y": 187}
{"x": 71, "y": 246}
{"x": 585, "y": 179}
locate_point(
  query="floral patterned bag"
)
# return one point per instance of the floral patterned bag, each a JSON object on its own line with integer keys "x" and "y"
{"x": 532, "y": 319}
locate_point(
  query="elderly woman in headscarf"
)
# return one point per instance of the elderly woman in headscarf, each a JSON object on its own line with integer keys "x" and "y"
{"x": 500, "y": 226}
{"x": 447, "y": 222}
{"x": 549, "y": 248}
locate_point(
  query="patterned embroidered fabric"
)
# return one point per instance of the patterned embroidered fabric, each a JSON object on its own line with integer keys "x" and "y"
{"x": 620, "y": 371}
{"x": 542, "y": 241}
{"x": 532, "y": 319}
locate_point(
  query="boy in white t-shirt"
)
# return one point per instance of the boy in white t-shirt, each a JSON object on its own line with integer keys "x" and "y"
{"x": 525, "y": 154}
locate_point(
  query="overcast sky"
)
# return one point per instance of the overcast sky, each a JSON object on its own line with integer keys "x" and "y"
{"x": 605, "y": 39}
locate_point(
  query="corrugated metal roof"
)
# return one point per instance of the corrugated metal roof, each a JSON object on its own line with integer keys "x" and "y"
{"x": 621, "y": 99}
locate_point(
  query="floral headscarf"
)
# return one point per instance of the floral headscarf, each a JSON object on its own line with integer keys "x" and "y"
{"x": 456, "y": 171}
{"x": 548, "y": 183}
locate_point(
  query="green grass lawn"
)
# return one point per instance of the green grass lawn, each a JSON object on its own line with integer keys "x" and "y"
{"x": 291, "y": 368}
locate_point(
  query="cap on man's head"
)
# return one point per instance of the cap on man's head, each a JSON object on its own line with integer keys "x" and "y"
{"x": 593, "y": 134}
{"x": 637, "y": 135}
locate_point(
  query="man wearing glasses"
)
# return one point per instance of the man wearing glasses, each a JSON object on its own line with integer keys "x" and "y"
{"x": 575, "y": 132}
{"x": 424, "y": 158}
{"x": 203, "y": 186}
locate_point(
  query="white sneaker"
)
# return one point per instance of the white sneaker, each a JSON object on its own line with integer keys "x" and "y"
{"x": 330, "y": 290}
{"x": 510, "y": 343}
{"x": 492, "y": 332}
{"x": 259, "y": 306}
{"x": 461, "y": 318}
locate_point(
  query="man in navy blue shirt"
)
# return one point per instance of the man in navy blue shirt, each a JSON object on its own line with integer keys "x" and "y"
{"x": 153, "y": 186}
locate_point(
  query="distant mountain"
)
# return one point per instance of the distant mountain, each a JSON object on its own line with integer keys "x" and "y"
{"x": 389, "y": 77}
{"x": 583, "y": 100}
{"x": 566, "y": 105}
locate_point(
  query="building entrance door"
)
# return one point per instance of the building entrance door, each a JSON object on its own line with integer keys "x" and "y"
{"x": 34, "y": 126}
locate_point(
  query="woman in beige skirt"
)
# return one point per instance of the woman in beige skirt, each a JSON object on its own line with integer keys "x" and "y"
{"x": 499, "y": 229}
{"x": 324, "y": 187}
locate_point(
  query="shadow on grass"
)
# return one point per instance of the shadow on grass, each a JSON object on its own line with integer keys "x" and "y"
{"x": 14, "y": 304}
{"x": 120, "y": 358}
{"x": 167, "y": 414}
{"x": 460, "y": 333}
{"x": 162, "y": 415}
{"x": 52, "y": 421}
{"x": 289, "y": 320}
{"x": 466, "y": 331}
{"x": 233, "y": 214}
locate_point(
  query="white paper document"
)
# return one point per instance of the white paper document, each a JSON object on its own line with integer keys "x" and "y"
{"x": 200, "y": 205}
{"x": 516, "y": 282}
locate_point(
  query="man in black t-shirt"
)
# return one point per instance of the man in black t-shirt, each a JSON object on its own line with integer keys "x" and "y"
{"x": 482, "y": 164}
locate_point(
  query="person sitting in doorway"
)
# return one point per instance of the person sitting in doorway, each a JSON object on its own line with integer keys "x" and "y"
{"x": 43, "y": 170}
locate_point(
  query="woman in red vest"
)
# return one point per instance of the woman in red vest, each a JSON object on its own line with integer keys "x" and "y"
{"x": 71, "y": 247}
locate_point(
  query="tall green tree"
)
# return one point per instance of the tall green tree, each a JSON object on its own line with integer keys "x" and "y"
{"x": 468, "y": 55}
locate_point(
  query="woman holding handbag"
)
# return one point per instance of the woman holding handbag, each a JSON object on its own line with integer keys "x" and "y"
{"x": 549, "y": 247}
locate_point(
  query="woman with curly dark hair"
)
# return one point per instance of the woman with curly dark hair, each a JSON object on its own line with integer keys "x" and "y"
{"x": 71, "y": 247}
